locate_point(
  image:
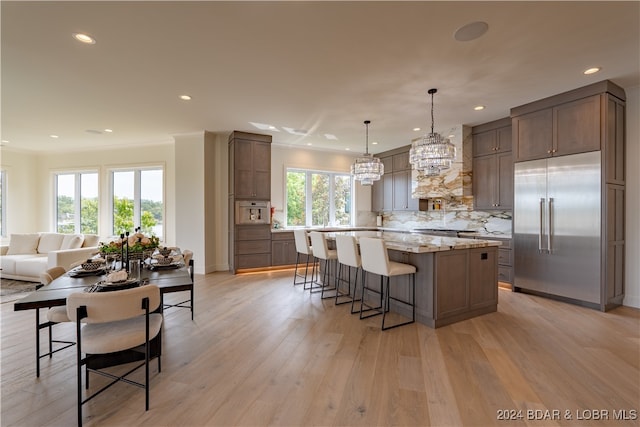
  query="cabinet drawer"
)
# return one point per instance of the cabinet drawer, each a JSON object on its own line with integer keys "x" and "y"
{"x": 505, "y": 257}
{"x": 282, "y": 235}
{"x": 505, "y": 274}
{"x": 253, "y": 232}
{"x": 506, "y": 243}
{"x": 253, "y": 261}
{"x": 253, "y": 247}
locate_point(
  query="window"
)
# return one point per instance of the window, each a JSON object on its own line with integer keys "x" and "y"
{"x": 3, "y": 203}
{"x": 318, "y": 198}
{"x": 137, "y": 200}
{"x": 76, "y": 207}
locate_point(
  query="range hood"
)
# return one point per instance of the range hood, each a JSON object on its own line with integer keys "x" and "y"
{"x": 454, "y": 182}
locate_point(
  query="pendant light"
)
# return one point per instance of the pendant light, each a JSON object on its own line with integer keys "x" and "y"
{"x": 432, "y": 153}
{"x": 367, "y": 168}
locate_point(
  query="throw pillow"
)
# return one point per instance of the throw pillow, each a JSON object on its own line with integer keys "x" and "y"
{"x": 72, "y": 241}
{"x": 49, "y": 242}
{"x": 90, "y": 240}
{"x": 20, "y": 244}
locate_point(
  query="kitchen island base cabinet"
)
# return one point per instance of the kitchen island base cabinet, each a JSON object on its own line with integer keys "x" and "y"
{"x": 450, "y": 285}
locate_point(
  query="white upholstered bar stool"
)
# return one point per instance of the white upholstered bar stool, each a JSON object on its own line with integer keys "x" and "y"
{"x": 375, "y": 259}
{"x": 321, "y": 252}
{"x": 55, "y": 315}
{"x": 303, "y": 248}
{"x": 349, "y": 257}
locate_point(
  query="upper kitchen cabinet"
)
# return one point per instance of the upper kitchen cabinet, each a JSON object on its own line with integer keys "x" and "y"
{"x": 393, "y": 191}
{"x": 250, "y": 166}
{"x": 493, "y": 166}
{"x": 568, "y": 123}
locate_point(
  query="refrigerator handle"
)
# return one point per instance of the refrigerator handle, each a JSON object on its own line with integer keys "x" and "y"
{"x": 549, "y": 223}
{"x": 540, "y": 228}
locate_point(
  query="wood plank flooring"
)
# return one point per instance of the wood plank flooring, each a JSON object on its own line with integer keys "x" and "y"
{"x": 263, "y": 352}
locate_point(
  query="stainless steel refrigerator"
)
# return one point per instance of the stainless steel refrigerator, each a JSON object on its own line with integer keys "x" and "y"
{"x": 557, "y": 226}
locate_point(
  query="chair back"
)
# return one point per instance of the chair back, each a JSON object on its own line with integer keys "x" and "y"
{"x": 302, "y": 242}
{"x": 348, "y": 251}
{"x": 375, "y": 258}
{"x": 112, "y": 306}
{"x": 51, "y": 274}
{"x": 186, "y": 256}
{"x": 319, "y": 245}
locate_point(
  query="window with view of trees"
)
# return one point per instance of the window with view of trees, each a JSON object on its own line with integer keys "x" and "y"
{"x": 77, "y": 202}
{"x": 316, "y": 198}
{"x": 137, "y": 200}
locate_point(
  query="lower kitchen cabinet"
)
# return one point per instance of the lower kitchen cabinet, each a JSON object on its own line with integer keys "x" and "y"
{"x": 252, "y": 246}
{"x": 283, "y": 248}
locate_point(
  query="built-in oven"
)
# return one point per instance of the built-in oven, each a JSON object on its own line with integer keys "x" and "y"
{"x": 248, "y": 212}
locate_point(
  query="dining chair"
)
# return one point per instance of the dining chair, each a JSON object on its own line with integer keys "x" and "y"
{"x": 322, "y": 252}
{"x": 187, "y": 257}
{"x": 55, "y": 315}
{"x": 303, "y": 248}
{"x": 108, "y": 324}
{"x": 375, "y": 260}
{"x": 349, "y": 257}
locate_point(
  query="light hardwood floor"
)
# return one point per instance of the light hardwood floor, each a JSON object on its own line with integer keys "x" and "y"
{"x": 263, "y": 352}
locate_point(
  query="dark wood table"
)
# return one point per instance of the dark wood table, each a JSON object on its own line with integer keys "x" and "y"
{"x": 56, "y": 293}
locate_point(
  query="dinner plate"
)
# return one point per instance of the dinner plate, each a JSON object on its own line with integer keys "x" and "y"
{"x": 80, "y": 272}
{"x": 120, "y": 283}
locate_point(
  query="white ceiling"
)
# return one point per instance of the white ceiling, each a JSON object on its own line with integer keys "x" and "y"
{"x": 322, "y": 67}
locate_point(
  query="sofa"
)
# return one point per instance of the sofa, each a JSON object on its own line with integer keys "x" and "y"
{"x": 30, "y": 254}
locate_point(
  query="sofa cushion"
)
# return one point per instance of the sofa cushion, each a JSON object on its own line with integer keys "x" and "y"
{"x": 8, "y": 263}
{"x": 72, "y": 241}
{"x": 32, "y": 266}
{"x": 49, "y": 242}
{"x": 20, "y": 244}
{"x": 90, "y": 240}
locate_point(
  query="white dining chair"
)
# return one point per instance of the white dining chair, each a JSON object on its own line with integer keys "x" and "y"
{"x": 375, "y": 260}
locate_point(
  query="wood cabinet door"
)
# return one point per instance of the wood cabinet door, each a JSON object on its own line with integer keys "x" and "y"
{"x": 504, "y": 137}
{"x": 400, "y": 193}
{"x": 377, "y": 195}
{"x": 485, "y": 178}
{"x": 483, "y": 277}
{"x": 452, "y": 290}
{"x": 401, "y": 162}
{"x": 533, "y": 135}
{"x": 485, "y": 143}
{"x": 504, "y": 181}
{"x": 387, "y": 192}
{"x": 577, "y": 126}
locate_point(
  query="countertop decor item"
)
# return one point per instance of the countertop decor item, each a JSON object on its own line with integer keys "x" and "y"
{"x": 432, "y": 153}
{"x": 367, "y": 168}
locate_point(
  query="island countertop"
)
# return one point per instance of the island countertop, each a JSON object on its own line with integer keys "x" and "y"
{"x": 417, "y": 243}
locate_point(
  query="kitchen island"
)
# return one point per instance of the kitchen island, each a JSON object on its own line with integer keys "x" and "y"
{"x": 456, "y": 278}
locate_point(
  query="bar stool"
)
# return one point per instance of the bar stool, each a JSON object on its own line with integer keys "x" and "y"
{"x": 375, "y": 259}
{"x": 303, "y": 248}
{"x": 348, "y": 256}
{"x": 321, "y": 251}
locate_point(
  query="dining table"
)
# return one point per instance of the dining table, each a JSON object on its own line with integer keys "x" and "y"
{"x": 174, "y": 277}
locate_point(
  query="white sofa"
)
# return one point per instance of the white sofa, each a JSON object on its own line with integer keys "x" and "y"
{"x": 28, "y": 255}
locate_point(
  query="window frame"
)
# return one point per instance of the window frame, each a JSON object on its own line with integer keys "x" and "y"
{"x": 137, "y": 194}
{"x": 77, "y": 203}
{"x": 309, "y": 194}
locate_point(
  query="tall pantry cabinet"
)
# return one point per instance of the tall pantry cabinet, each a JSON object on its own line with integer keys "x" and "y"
{"x": 249, "y": 180}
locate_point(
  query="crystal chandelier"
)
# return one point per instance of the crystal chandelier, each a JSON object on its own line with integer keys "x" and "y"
{"x": 367, "y": 168}
{"x": 432, "y": 153}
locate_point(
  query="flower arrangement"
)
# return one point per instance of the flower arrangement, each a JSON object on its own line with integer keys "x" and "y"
{"x": 137, "y": 243}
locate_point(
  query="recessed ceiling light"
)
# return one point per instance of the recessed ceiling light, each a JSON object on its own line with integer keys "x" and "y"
{"x": 185, "y": 97}
{"x": 84, "y": 38}
{"x": 108, "y": 130}
{"x": 374, "y": 143}
{"x": 478, "y": 107}
{"x": 416, "y": 129}
{"x": 5, "y": 141}
{"x": 308, "y": 143}
{"x": 471, "y": 31}
{"x": 451, "y": 136}
{"x": 94, "y": 131}
{"x": 348, "y": 149}
{"x": 331, "y": 136}
{"x": 592, "y": 70}
{"x": 53, "y": 136}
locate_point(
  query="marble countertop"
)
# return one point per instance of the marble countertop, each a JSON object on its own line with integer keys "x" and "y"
{"x": 418, "y": 243}
{"x": 485, "y": 235}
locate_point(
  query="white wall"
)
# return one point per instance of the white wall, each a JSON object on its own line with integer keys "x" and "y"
{"x": 632, "y": 231}
{"x": 23, "y": 209}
